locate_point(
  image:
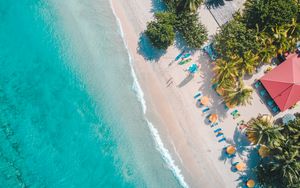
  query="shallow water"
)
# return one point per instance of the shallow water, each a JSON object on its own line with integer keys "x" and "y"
{"x": 69, "y": 115}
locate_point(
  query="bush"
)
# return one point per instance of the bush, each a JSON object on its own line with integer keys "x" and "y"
{"x": 269, "y": 13}
{"x": 161, "y": 31}
{"x": 235, "y": 39}
{"x": 193, "y": 32}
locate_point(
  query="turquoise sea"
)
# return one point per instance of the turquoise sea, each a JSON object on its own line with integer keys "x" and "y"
{"x": 71, "y": 110}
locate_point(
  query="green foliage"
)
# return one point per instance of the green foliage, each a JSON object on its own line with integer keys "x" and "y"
{"x": 193, "y": 32}
{"x": 267, "y": 14}
{"x": 261, "y": 130}
{"x": 235, "y": 38}
{"x": 239, "y": 95}
{"x": 191, "y": 5}
{"x": 161, "y": 31}
{"x": 282, "y": 168}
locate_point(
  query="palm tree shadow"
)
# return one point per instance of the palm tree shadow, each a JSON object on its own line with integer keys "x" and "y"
{"x": 157, "y": 6}
{"x": 214, "y": 3}
{"x": 147, "y": 50}
{"x": 186, "y": 80}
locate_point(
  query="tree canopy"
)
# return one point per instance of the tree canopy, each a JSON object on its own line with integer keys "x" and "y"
{"x": 267, "y": 14}
{"x": 161, "y": 31}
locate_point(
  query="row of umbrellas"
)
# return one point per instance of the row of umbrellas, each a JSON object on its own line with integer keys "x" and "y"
{"x": 240, "y": 166}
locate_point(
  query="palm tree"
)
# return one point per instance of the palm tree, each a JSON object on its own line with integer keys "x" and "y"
{"x": 248, "y": 63}
{"x": 286, "y": 165}
{"x": 267, "y": 50}
{"x": 192, "y": 5}
{"x": 225, "y": 72}
{"x": 261, "y": 131}
{"x": 239, "y": 95}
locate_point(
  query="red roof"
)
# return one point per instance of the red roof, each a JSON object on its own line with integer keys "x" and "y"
{"x": 283, "y": 82}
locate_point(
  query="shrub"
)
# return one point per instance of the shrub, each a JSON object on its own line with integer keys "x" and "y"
{"x": 193, "y": 32}
{"x": 235, "y": 39}
{"x": 161, "y": 31}
{"x": 269, "y": 13}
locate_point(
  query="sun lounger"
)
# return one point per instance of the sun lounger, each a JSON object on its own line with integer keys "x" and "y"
{"x": 270, "y": 103}
{"x": 214, "y": 124}
{"x": 275, "y": 109}
{"x": 222, "y": 139}
{"x": 234, "y": 112}
{"x": 263, "y": 93}
{"x": 198, "y": 94}
{"x": 219, "y": 134}
{"x": 185, "y": 61}
{"x": 205, "y": 109}
{"x": 257, "y": 84}
{"x": 217, "y": 130}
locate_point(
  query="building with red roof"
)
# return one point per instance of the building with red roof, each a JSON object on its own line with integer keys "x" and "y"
{"x": 283, "y": 82}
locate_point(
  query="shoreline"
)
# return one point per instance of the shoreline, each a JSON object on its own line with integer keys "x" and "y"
{"x": 192, "y": 148}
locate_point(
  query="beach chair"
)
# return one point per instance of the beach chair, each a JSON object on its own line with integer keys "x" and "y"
{"x": 275, "y": 109}
{"x": 217, "y": 130}
{"x": 198, "y": 94}
{"x": 214, "y": 124}
{"x": 257, "y": 84}
{"x": 219, "y": 134}
{"x": 234, "y": 112}
{"x": 222, "y": 139}
{"x": 271, "y": 103}
{"x": 205, "y": 109}
{"x": 263, "y": 93}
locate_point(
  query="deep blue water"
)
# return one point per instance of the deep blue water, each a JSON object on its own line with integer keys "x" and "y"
{"x": 69, "y": 116}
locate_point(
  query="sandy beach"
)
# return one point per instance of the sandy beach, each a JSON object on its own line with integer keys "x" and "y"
{"x": 172, "y": 109}
{"x": 192, "y": 143}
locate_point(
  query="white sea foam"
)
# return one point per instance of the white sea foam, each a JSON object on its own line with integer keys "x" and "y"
{"x": 154, "y": 132}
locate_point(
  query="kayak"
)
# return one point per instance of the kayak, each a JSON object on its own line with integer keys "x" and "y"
{"x": 179, "y": 56}
{"x": 185, "y": 61}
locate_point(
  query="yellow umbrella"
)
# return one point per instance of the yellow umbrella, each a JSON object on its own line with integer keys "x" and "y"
{"x": 204, "y": 100}
{"x": 230, "y": 105}
{"x": 213, "y": 118}
{"x": 250, "y": 183}
{"x": 240, "y": 166}
{"x": 230, "y": 150}
{"x": 264, "y": 151}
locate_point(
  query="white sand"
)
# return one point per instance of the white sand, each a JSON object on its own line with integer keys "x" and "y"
{"x": 173, "y": 110}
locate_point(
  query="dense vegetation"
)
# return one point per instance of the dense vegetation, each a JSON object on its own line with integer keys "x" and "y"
{"x": 281, "y": 166}
{"x": 265, "y": 29}
{"x": 161, "y": 31}
{"x": 181, "y": 17}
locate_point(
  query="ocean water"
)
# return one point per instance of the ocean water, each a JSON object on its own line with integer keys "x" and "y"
{"x": 72, "y": 113}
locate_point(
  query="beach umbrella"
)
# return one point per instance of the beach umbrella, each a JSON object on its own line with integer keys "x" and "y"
{"x": 240, "y": 166}
{"x": 230, "y": 150}
{"x": 220, "y": 91}
{"x": 287, "y": 118}
{"x": 204, "y": 100}
{"x": 250, "y": 183}
{"x": 213, "y": 118}
{"x": 263, "y": 151}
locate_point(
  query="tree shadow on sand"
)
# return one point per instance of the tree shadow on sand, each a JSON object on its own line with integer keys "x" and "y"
{"x": 147, "y": 50}
{"x": 214, "y": 3}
